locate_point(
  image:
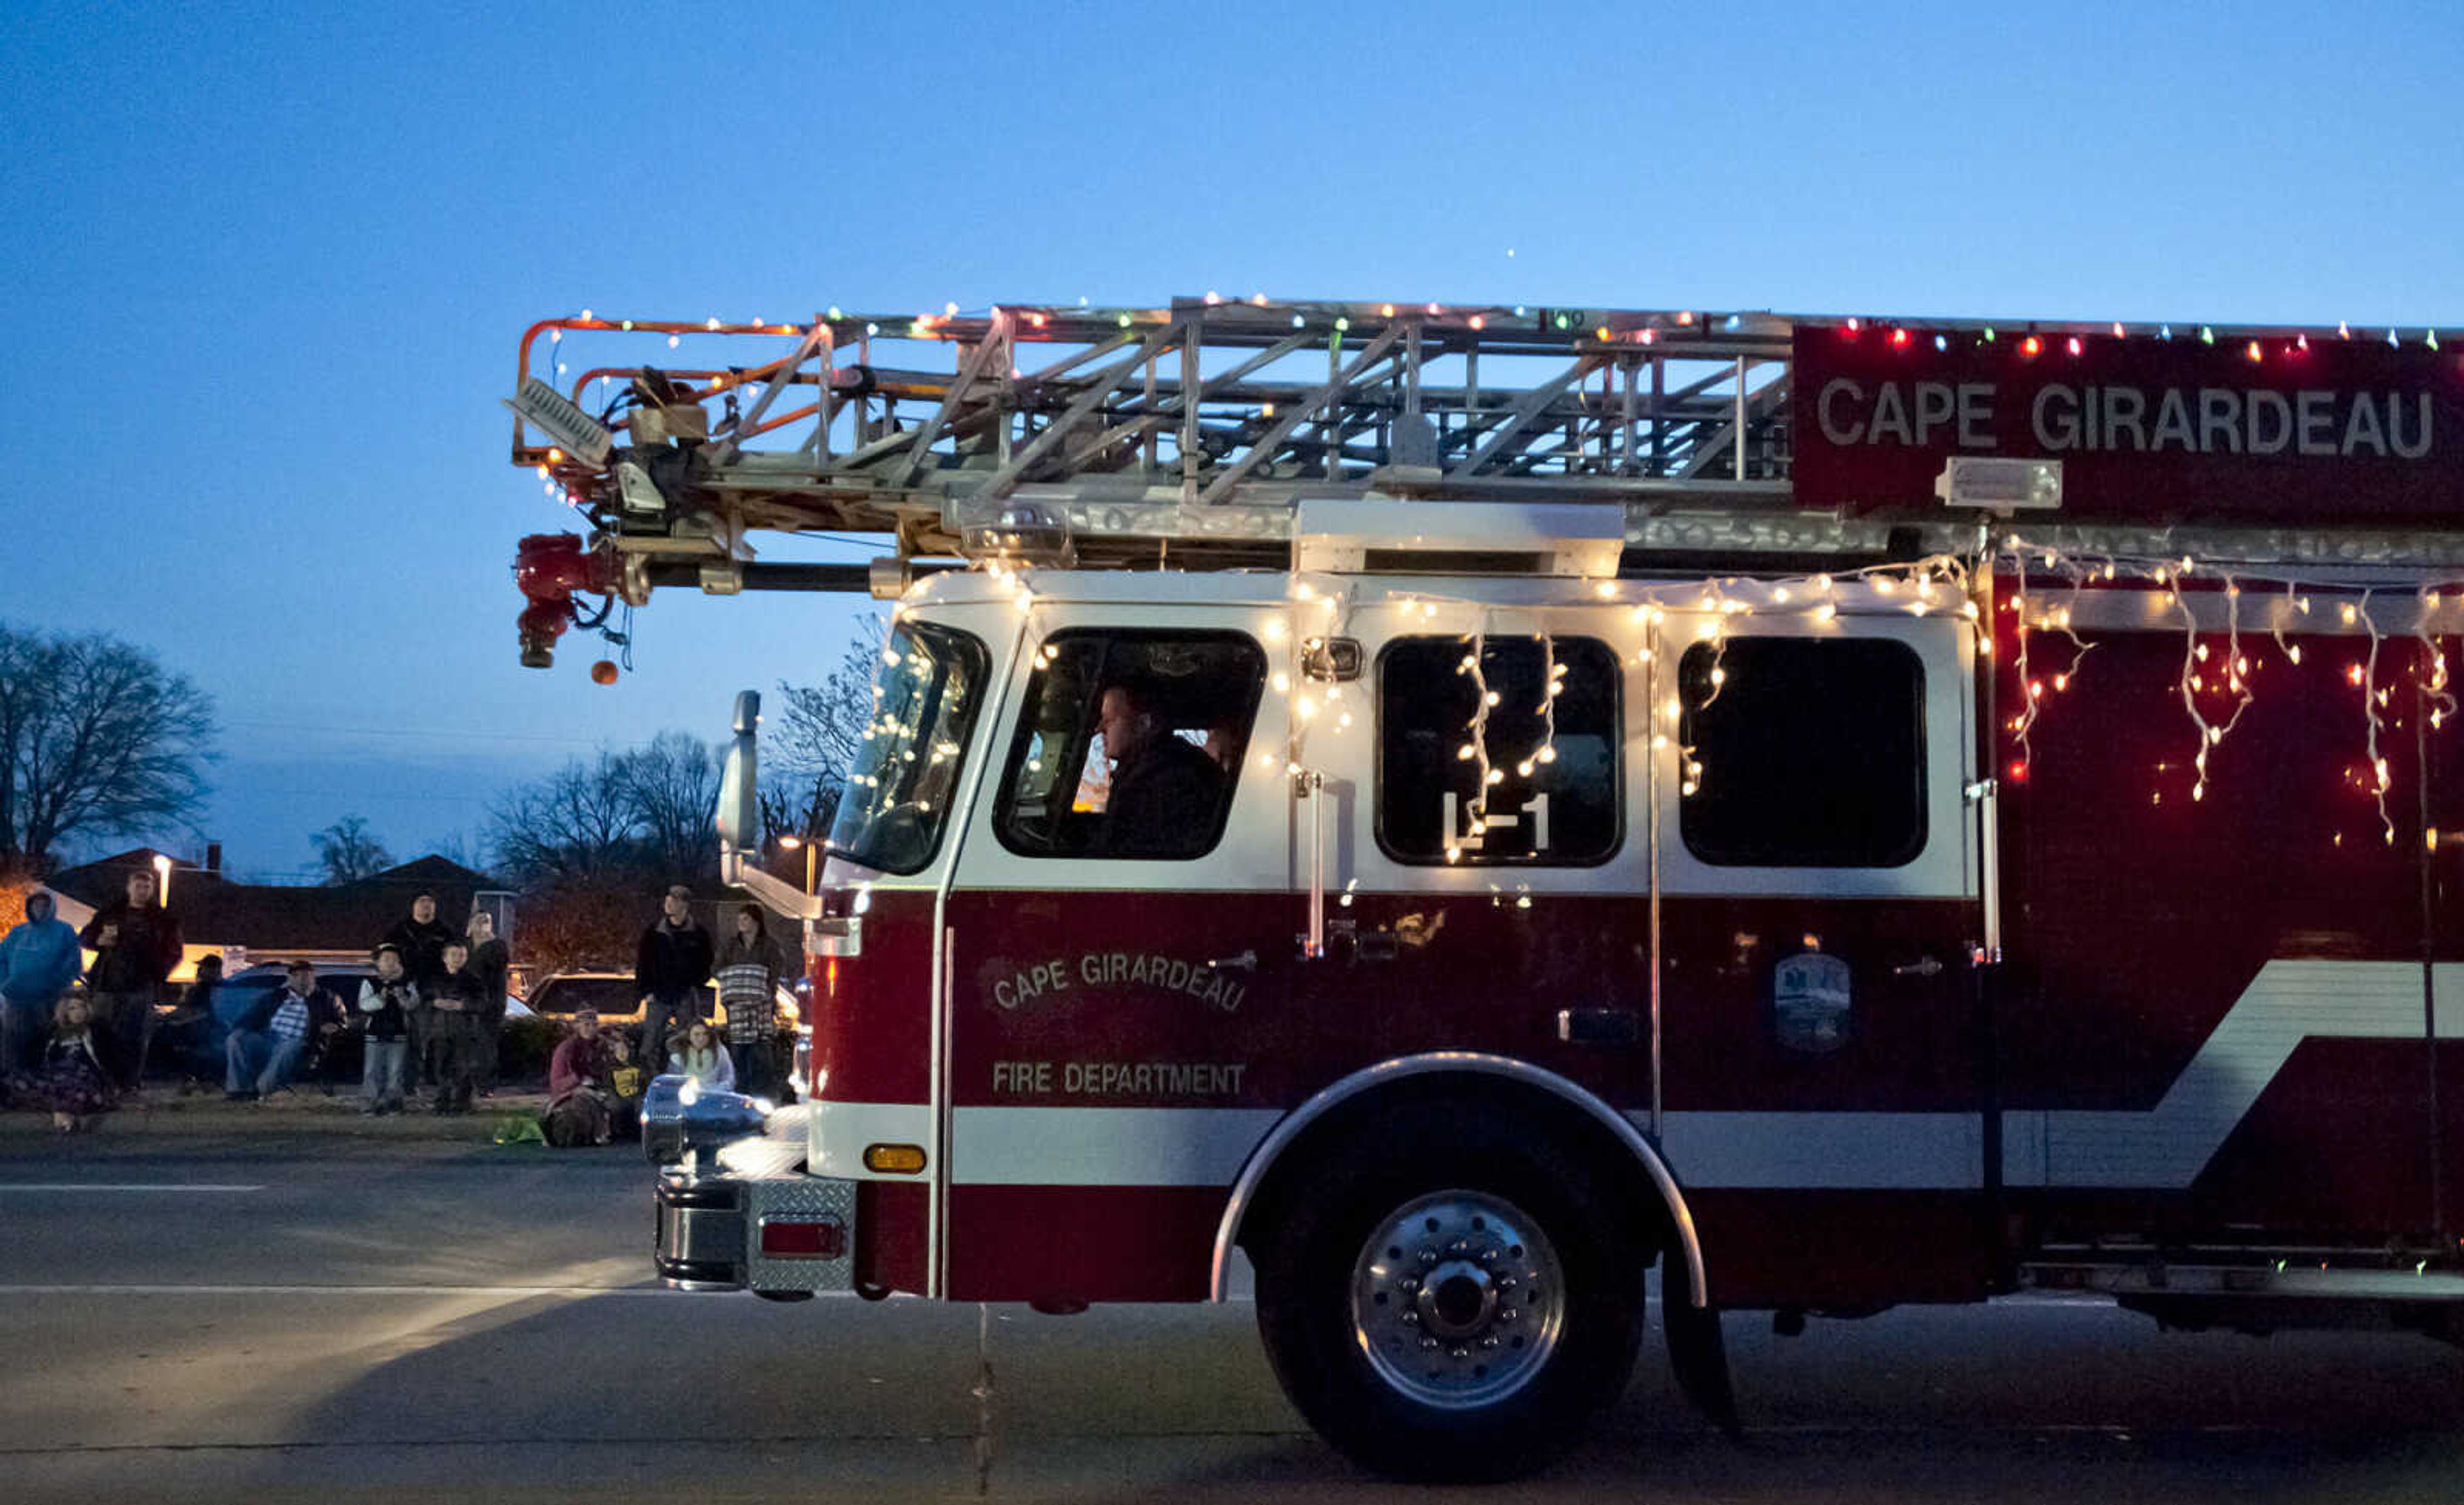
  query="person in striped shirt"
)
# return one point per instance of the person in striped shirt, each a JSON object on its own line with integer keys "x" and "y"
{"x": 750, "y": 967}
{"x": 302, "y": 1011}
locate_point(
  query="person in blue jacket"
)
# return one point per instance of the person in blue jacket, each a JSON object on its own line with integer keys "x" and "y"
{"x": 39, "y": 960}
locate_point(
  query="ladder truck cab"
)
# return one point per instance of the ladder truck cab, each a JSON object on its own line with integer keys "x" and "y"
{"x": 1457, "y": 807}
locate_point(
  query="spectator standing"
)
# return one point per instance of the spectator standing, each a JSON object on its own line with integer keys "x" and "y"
{"x": 668, "y": 968}
{"x": 288, "y": 1024}
{"x": 454, "y": 1003}
{"x": 420, "y": 937}
{"x": 750, "y": 969}
{"x": 136, "y": 943}
{"x": 701, "y": 1057}
{"x": 70, "y": 1078}
{"x": 38, "y": 959}
{"x": 384, "y": 1016}
{"x": 492, "y": 964}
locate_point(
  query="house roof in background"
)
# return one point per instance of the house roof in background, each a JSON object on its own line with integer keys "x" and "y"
{"x": 275, "y": 917}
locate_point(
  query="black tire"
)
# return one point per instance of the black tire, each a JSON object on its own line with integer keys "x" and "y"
{"x": 1348, "y": 1325}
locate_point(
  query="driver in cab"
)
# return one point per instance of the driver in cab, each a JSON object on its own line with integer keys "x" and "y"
{"x": 1164, "y": 790}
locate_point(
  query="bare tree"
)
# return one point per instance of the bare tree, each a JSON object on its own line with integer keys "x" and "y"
{"x": 816, "y": 735}
{"x": 577, "y": 823}
{"x": 98, "y": 739}
{"x": 350, "y": 851}
{"x": 673, "y": 789}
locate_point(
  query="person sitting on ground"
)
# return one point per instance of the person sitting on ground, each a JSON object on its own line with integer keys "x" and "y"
{"x": 579, "y": 1098}
{"x": 69, "y": 1078}
{"x": 1164, "y": 791}
{"x": 281, "y": 1029}
{"x": 749, "y": 972}
{"x": 697, "y": 1053}
{"x": 187, "y": 1034}
{"x": 39, "y": 960}
{"x": 455, "y": 1002}
{"x": 625, "y": 1078}
{"x": 383, "y": 1017}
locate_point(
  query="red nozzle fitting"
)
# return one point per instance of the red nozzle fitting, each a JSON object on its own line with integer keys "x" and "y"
{"x": 548, "y": 568}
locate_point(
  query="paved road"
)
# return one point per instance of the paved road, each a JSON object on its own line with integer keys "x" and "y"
{"x": 405, "y": 1320}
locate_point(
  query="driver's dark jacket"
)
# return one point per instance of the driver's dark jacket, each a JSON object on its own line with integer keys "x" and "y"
{"x": 1162, "y": 801}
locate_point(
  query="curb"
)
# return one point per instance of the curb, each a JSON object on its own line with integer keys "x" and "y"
{"x": 163, "y": 1115}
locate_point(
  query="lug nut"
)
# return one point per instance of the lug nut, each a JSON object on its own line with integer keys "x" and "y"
{"x": 1408, "y": 1283}
{"x": 1488, "y": 1342}
{"x": 1488, "y": 1256}
{"x": 1428, "y": 1342}
{"x": 1460, "y": 1246}
{"x": 1428, "y": 1256}
{"x": 1507, "y": 1314}
{"x": 1463, "y": 1353}
{"x": 1411, "y": 1318}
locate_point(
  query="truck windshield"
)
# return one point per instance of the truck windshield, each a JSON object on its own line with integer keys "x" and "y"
{"x": 905, "y": 774}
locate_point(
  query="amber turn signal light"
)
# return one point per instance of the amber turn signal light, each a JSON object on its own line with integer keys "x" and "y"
{"x": 900, "y": 1159}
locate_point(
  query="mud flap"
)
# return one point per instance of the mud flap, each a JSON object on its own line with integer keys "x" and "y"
{"x": 1698, "y": 1356}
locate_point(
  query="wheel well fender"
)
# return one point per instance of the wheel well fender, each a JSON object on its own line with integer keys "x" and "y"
{"x": 1326, "y": 1116}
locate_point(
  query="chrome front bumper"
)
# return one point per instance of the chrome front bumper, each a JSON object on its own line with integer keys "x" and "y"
{"x": 781, "y": 1234}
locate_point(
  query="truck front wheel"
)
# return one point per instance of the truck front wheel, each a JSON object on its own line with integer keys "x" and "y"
{"x": 1450, "y": 1302}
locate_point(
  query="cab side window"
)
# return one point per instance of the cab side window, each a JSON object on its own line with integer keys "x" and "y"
{"x": 1551, "y": 778}
{"x": 1128, "y": 745}
{"x": 1805, "y": 752}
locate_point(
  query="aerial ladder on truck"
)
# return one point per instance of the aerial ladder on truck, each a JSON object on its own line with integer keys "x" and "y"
{"x": 1185, "y": 438}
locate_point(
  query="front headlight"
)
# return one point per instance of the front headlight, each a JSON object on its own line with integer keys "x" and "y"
{"x": 679, "y": 1118}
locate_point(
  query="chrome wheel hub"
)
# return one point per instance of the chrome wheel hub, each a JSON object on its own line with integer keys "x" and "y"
{"x": 1458, "y": 1299}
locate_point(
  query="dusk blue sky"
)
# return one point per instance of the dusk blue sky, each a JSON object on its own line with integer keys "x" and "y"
{"x": 265, "y": 267}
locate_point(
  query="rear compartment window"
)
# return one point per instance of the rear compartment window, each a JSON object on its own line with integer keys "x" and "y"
{"x": 898, "y": 793}
{"x": 1128, "y": 745}
{"x": 1551, "y": 737}
{"x": 1804, "y": 753}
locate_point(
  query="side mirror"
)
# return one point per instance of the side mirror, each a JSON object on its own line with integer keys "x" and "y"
{"x": 739, "y": 817}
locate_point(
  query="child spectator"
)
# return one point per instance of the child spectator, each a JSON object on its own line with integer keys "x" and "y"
{"x": 70, "y": 1078}
{"x": 626, "y": 1079}
{"x": 699, "y": 1056}
{"x": 383, "y": 1015}
{"x": 750, "y": 969}
{"x": 454, "y": 1003}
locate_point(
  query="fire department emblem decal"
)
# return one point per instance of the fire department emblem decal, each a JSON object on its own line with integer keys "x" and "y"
{"x": 1810, "y": 1001}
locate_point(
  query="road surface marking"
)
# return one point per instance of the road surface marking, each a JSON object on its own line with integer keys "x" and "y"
{"x": 356, "y": 1290}
{"x": 132, "y": 1186}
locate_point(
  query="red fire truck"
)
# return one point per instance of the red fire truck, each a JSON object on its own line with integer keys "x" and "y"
{"x": 1455, "y": 806}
